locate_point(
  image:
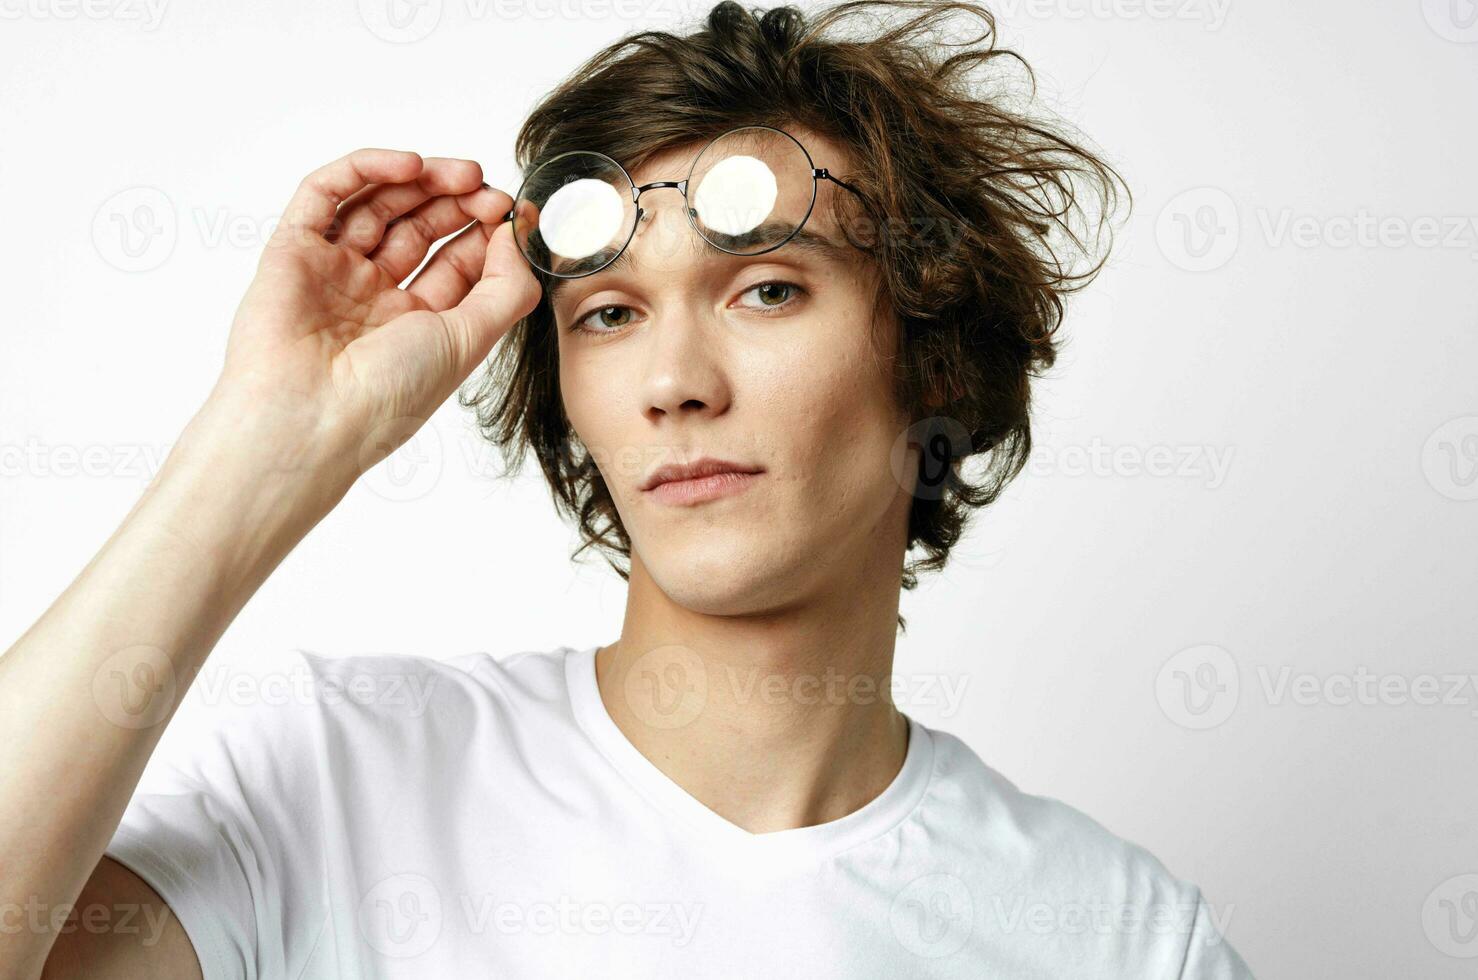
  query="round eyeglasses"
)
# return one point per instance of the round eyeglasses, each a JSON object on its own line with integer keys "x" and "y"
{"x": 748, "y": 191}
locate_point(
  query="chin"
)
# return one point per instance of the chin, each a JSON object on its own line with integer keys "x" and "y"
{"x": 721, "y": 574}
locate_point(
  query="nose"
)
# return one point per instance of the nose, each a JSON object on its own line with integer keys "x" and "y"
{"x": 684, "y": 347}
{"x": 683, "y": 375}
{"x": 686, "y": 351}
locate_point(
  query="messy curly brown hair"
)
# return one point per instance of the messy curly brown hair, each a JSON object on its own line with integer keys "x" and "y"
{"x": 1006, "y": 212}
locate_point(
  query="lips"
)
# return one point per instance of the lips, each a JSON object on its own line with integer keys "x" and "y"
{"x": 707, "y": 466}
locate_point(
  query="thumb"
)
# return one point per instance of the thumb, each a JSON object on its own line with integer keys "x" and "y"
{"x": 506, "y": 293}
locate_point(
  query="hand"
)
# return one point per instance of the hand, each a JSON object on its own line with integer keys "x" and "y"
{"x": 329, "y": 347}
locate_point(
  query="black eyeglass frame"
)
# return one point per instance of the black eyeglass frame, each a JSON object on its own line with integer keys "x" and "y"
{"x": 817, "y": 174}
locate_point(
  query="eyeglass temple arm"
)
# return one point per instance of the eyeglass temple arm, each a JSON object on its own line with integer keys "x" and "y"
{"x": 822, "y": 172}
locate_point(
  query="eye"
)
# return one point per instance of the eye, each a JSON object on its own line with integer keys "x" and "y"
{"x": 773, "y": 295}
{"x": 609, "y": 319}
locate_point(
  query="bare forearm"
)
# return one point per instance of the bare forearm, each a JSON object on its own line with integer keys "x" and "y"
{"x": 329, "y": 366}
{"x": 86, "y": 691}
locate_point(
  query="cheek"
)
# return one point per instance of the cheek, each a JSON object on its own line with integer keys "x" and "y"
{"x": 592, "y": 403}
{"x": 834, "y": 407}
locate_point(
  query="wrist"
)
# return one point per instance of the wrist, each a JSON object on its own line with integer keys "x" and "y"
{"x": 243, "y": 488}
{"x": 260, "y": 439}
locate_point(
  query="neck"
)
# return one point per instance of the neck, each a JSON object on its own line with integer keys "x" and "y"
{"x": 773, "y": 721}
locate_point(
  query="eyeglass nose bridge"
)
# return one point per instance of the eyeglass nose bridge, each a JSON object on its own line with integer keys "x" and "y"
{"x": 637, "y": 192}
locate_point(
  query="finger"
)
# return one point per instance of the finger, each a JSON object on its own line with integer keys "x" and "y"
{"x": 454, "y": 269}
{"x": 488, "y": 204}
{"x": 411, "y": 236}
{"x": 363, "y": 217}
{"x": 311, "y": 210}
{"x": 457, "y": 265}
{"x": 507, "y": 292}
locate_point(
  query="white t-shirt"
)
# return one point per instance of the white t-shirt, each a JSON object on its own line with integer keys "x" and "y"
{"x": 401, "y": 816}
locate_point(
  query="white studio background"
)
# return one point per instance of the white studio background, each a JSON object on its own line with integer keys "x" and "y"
{"x": 1229, "y": 610}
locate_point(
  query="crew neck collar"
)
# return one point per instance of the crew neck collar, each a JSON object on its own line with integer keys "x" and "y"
{"x": 797, "y": 844}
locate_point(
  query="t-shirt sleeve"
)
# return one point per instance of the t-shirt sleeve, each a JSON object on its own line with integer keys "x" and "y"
{"x": 225, "y": 823}
{"x": 196, "y": 853}
{"x": 1208, "y": 954}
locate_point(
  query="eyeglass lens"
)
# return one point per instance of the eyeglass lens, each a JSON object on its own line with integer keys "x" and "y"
{"x": 748, "y": 190}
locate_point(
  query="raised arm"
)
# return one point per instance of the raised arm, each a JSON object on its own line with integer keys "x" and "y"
{"x": 330, "y": 365}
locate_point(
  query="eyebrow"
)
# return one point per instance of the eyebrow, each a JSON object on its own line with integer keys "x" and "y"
{"x": 807, "y": 241}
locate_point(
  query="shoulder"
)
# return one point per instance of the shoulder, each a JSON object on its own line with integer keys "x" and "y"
{"x": 416, "y": 686}
{"x": 1042, "y": 837}
{"x": 294, "y": 696}
{"x": 1042, "y": 872}
{"x": 1051, "y": 883}
{"x": 367, "y": 677}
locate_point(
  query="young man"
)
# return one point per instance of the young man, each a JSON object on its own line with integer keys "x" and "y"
{"x": 749, "y": 427}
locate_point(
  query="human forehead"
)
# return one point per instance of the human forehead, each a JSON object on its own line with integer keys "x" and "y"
{"x": 672, "y": 163}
